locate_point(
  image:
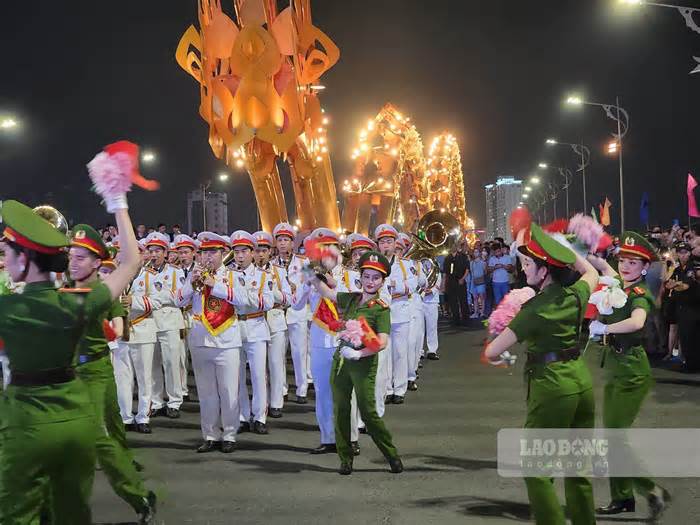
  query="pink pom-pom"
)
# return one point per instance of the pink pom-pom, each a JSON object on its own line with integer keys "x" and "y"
{"x": 111, "y": 174}
{"x": 587, "y": 231}
{"x": 508, "y": 308}
{"x": 352, "y": 333}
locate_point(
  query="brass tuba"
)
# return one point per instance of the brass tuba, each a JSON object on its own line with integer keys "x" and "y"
{"x": 53, "y": 216}
{"x": 437, "y": 232}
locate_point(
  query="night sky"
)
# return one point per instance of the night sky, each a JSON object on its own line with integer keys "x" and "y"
{"x": 83, "y": 73}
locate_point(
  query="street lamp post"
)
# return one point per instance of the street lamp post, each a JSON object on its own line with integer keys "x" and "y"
{"x": 621, "y": 117}
{"x": 585, "y": 154}
{"x": 568, "y": 176}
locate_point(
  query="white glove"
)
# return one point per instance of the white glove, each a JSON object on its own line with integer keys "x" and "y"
{"x": 116, "y": 202}
{"x": 113, "y": 345}
{"x": 597, "y": 328}
{"x": 505, "y": 358}
{"x": 351, "y": 354}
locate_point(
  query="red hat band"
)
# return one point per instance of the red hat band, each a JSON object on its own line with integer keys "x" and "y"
{"x": 536, "y": 250}
{"x": 212, "y": 244}
{"x": 243, "y": 242}
{"x": 284, "y": 232}
{"x": 89, "y": 244}
{"x": 636, "y": 251}
{"x": 186, "y": 244}
{"x": 374, "y": 266}
{"x": 361, "y": 243}
{"x": 158, "y": 244}
{"x": 386, "y": 233}
{"x": 17, "y": 238}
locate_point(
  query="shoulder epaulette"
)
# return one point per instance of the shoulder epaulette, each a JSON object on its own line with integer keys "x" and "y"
{"x": 301, "y": 256}
{"x": 151, "y": 271}
{"x": 75, "y": 290}
{"x": 381, "y": 303}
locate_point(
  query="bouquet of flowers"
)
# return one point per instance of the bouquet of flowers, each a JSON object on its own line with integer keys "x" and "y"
{"x": 609, "y": 296}
{"x": 113, "y": 171}
{"x": 499, "y": 319}
{"x": 586, "y": 232}
{"x": 359, "y": 335}
{"x": 357, "y": 340}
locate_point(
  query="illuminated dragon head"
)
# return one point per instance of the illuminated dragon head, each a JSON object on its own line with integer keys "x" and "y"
{"x": 257, "y": 73}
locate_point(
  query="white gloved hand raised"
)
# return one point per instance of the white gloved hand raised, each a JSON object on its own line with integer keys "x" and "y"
{"x": 348, "y": 353}
{"x": 597, "y": 328}
{"x": 116, "y": 202}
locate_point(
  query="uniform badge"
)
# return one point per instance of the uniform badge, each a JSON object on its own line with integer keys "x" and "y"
{"x": 140, "y": 283}
{"x": 182, "y": 280}
{"x": 254, "y": 284}
{"x": 80, "y": 234}
{"x": 269, "y": 283}
{"x": 629, "y": 241}
{"x": 638, "y": 290}
{"x": 413, "y": 270}
{"x": 241, "y": 280}
{"x": 358, "y": 283}
{"x": 158, "y": 285}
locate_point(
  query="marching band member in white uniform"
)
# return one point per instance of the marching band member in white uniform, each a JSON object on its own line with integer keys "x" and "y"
{"x": 416, "y": 332}
{"x": 402, "y": 286}
{"x": 167, "y": 358}
{"x": 255, "y": 333}
{"x": 214, "y": 293}
{"x": 297, "y": 320}
{"x": 323, "y": 343}
{"x": 186, "y": 248}
{"x": 277, "y": 350}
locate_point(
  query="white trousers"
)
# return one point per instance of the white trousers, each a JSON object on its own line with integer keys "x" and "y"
{"x": 416, "y": 333}
{"x": 183, "y": 367}
{"x": 142, "y": 360}
{"x": 383, "y": 380}
{"x": 399, "y": 363}
{"x": 166, "y": 364}
{"x": 124, "y": 378}
{"x": 277, "y": 367}
{"x": 255, "y": 354}
{"x": 216, "y": 373}
{"x": 321, "y": 364}
{"x": 299, "y": 343}
{"x": 430, "y": 311}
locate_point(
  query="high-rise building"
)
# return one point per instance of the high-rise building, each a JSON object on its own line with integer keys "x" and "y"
{"x": 214, "y": 205}
{"x": 501, "y": 199}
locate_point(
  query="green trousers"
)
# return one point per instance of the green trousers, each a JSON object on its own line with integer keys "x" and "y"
{"x": 568, "y": 411}
{"x": 47, "y": 466}
{"x": 360, "y": 375}
{"x": 113, "y": 454}
{"x": 621, "y": 404}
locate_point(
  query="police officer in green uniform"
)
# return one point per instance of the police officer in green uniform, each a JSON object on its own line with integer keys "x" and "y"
{"x": 560, "y": 393}
{"x": 86, "y": 254}
{"x": 47, "y": 425}
{"x": 625, "y": 361}
{"x": 357, "y": 368}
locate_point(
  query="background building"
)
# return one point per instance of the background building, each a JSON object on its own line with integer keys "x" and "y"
{"x": 215, "y": 205}
{"x": 501, "y": 199}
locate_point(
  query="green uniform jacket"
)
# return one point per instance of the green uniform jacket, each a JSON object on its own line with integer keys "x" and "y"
{"x": 94, "y": 342}
{"x": 550, "y": 322}
{"x": 633, "y": 361}
{"x": 41, "y": 329}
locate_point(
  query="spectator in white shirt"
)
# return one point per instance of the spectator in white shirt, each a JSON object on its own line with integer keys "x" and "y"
{"x": 500, "y": 267}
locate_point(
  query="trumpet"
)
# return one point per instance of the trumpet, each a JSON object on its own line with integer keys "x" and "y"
{"x": 198, "y": 284}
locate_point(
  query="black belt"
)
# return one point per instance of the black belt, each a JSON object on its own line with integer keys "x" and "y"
{"x": 42, "y": 377}
{"x": 546, "y": 358}
{"x": 620, "y": 346}
{"x": 89, "y": 358}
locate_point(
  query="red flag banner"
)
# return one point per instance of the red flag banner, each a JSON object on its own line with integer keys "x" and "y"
{"x": 692, "y": 203}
